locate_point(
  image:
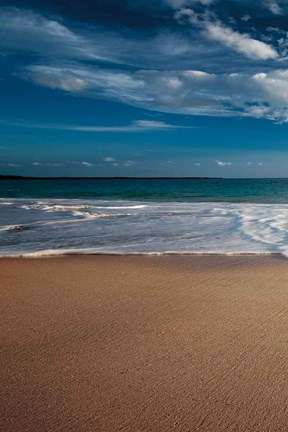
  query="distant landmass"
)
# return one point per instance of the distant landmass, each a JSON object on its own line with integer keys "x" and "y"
{"x": 16, "y": 177}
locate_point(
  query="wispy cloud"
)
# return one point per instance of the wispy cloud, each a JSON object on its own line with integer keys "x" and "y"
{"x": 68, "y": 54}
{"x": 56, "y": 41}
{"x": 117, "y": 162}
{"x": 246, "y": 18}
{"x": 12, "y": 165}
{"x": 27, "y": 31}
{"x": 274, "y": 7}
{"x": 135, "y": 126}
{"x": 30, "y": 31}
{"x": 87, "y": 164}
{"x": 260, "y": 95}
{"x": 243, "y": 43}
{"x": 51, "y": 164}
{"x": 223, "y": 163}
{"x": 128, "y": 163}
{"x": 255, "y": 163}
{"x": 181, "y": 3}
{"x": 109, "y": 159}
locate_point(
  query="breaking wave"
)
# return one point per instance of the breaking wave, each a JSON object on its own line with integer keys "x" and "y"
{"x": 133, "y": 227}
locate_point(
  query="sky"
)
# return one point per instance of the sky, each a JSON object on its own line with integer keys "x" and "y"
{"x": 144, "y": 88}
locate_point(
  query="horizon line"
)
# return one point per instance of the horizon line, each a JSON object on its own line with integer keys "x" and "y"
{"x": 20, "y": 177}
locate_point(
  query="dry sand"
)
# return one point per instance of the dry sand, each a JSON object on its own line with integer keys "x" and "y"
{"x": 145, "y": 344}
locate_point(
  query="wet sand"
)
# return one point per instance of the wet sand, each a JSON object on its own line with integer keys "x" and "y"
{"x": 145, "y": 344}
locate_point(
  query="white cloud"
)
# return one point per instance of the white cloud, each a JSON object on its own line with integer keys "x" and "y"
{"x": 274, "y": 7}
{"x": 128, "y": 163}
{"x": 151, "y": 124}
{"x": 12, "y": 165}
{"x": 261, "y": 95}
{"x": 197, "y": 164}
{"x": 218, "y": 32}
{"x": 61, "y": 48}
{"x": 87, "y": 164}
{"x": 56, "y": 164}
{"x": 255, "y": 163}
{"x": 56, "y": 42}
{"x": 96, "y": 83}
{"x": 241, "y": 43}
{"x": 222, "y": 163}
{"x": 135, "y": 126}
{"x": 27, "y": 31}
{"x": 176, "y": 4}
{"x": 246, "y": 18}
{"x": 109, "y": 159}
{"x": 115, "y": 162}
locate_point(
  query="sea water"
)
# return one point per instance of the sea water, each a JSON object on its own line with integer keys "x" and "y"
{"x": 143, "y": 216}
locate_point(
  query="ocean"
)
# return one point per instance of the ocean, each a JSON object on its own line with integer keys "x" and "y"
{"x": 177, "y": 216}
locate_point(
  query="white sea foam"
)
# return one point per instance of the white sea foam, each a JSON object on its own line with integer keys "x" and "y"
{"x": 48, "y": 227}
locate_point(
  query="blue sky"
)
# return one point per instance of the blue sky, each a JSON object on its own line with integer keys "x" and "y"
{"x": 144, "y": 88}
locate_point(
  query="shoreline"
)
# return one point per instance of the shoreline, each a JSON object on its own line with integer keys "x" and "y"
{"x": 147, "y": 343}
{"x": 35, "y": 255}
{"x": 112, "y": 227}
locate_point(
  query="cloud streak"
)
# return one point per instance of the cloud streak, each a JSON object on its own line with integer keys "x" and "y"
{"x": 175, "y": 4}
{"x": 115, "y": 162}
{"x": 216, "y": 31}
{"x": 135, "y": 126}
{"x": 222, "y": 163}
{"x": 51, "y": 164}
{"x": 274, "y": 7}
{"x": 72, "y": 58}
{"x": 261, "y": 95}
{"x": 28, "y": 31}
{"x": 241, "y": 43}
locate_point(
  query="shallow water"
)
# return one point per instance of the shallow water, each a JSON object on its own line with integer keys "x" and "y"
{"x": 57, "y": 226}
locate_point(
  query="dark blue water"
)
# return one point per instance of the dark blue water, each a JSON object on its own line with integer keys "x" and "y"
{"x": 214, "y": 190}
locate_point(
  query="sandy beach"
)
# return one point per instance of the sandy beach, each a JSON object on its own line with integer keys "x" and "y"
{"x": 144, "y": 344}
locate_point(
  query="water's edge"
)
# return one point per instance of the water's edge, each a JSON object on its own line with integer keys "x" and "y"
{"x": 38, "y": 227}
{"x": 53, "y": 254}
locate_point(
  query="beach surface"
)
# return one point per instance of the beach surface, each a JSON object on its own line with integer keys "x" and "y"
{"x": 144, "y": 344}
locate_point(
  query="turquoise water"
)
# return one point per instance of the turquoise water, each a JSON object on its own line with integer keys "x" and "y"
{"x": 143, "y": 216}
{"x": 214, "y": 190}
